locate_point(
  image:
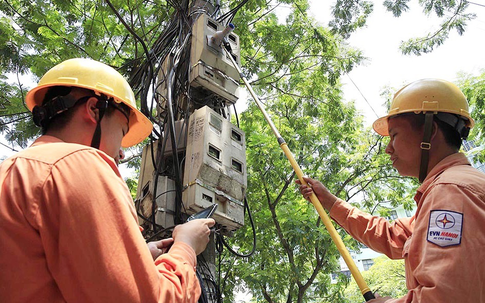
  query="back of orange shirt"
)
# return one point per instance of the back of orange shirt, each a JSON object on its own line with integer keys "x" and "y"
{"x": 69, "y": 233}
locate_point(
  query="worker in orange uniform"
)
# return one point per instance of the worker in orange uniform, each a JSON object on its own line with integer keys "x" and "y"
{"x": 442, "y": 244}
{"x": 68, "y": 226}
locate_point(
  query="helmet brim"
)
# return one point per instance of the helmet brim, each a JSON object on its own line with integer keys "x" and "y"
{"x": 140, "y": 128}
{"x": 381, "y": 126}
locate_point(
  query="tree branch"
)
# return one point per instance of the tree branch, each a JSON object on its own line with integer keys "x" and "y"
{"x": 48, "y": 26}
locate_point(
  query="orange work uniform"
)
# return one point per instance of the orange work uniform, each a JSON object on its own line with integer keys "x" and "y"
{"x": 69, "y": 233}
{"x": 442, "y": 244}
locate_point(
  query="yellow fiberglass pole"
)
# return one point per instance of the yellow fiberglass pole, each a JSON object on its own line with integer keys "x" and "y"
{"x": 366, "y": 292}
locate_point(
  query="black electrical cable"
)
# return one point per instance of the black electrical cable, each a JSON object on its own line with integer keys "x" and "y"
{"x": 208, "y": 277}
{"x": 152, "y": 141}
{"x": 155, "y": 181}
{"x": 165, "y": 192}
{"x": 145, "y": 81}
{"x": 171, "y": 123}
{"x": 203, "y": 295}
{"x": 221, "y": 238}
{"x": 232, "y": 12}
{"x": 211, "y": 284}
{"x": 158, "y": 164}
{"x": 219, "y": 265}
{"x": 235, "y": 114}
{"x": 158, "y": 233}
{"x": 143, "y": 77}
{"x": 216, "y": 11}
{"x": 229, "y": 266}
{"x": 141, "y": 215}
{"x": 145, "y": 48}
{"x": 154, "y": 87}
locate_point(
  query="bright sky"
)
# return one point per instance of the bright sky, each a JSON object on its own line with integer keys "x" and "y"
{"x": 386, "y": 65}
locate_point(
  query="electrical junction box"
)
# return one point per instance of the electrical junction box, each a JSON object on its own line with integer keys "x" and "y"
{"x": 180, "y": 137}
{"x": 215, "y": 168}
{"x": 147, "y": 170}
{"x": 165, "y": 191}
{"x": 207, "y": 80}
{"x": 211, "y": 68}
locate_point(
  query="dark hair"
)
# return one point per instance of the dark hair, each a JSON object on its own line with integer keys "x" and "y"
{"x": 62, "y": 119}
{"x": 452, "y": 137}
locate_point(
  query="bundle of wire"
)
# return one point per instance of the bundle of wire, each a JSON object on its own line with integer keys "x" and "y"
{"x": 158, "y": 78}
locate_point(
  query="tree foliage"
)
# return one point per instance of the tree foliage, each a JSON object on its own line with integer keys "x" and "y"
{"x": 36, "y": 35}
{"x": 454, "y": 16}
{"x": 349, "y": 16}
{"x": 474, "y": 89}
{"x": 386, "y": 277}
{"x": 295, "y": 255}
{"x": 298, "y": 82}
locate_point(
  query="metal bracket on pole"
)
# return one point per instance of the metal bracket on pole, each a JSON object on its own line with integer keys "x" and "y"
{"x": 366, "y": 292}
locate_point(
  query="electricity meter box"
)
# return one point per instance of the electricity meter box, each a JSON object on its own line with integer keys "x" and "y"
{"x": 211, "y": 68}
{"x": 165, "y": 191}
{"x": 215, "y": 168}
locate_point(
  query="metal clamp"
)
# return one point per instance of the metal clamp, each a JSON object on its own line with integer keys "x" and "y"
{"x": 425, "y": 145}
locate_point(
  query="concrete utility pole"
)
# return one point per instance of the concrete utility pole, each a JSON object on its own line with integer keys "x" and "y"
{"x": 199, "y": 159}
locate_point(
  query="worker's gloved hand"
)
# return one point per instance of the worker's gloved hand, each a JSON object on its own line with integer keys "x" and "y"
{"x": 194, "y": 233}
{"x": 159, "y": 247}
{"x": 379, "y": 299}
{"x": 326, "y": 198}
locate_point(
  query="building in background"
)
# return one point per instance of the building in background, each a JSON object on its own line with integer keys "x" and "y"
{"x": 472, "y": 151}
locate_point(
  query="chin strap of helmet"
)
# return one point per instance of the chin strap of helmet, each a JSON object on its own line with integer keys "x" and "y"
{"x": 459, "y": 124}
{"x": 426, "y": 145}
{"x": 101, "y": 105}
{"x": 42, "y": 115}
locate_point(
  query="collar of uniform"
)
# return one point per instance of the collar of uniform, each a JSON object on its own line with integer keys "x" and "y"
{"x": 451, "y": 160}
{"x": 46, "y": 139}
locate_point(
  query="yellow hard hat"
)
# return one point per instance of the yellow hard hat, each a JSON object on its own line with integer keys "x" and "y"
{"x": 426, "y": 95}
{"x": 102, "y": 79}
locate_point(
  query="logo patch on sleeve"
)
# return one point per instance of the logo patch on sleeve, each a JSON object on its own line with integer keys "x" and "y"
{"x": 445, "y": 227}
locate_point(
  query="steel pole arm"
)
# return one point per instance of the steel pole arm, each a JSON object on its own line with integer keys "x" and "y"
{"x": 366, "y": 292}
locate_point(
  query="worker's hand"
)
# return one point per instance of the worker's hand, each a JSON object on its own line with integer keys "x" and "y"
{"x": 194, "y": 233}
{"x": 379, "y": 299}
{"x": 159, "y": 247}
{"x": 326, "y": 198}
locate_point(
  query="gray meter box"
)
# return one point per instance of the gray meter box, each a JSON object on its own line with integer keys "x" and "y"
{"x": 215, "y": 168}
{"x": 165, "y": 192}
{"x": 210, "y": 68}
